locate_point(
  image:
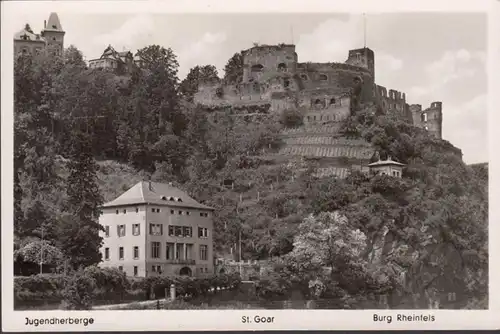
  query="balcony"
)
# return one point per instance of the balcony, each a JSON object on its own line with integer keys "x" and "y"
{"x": 181, "y": 261}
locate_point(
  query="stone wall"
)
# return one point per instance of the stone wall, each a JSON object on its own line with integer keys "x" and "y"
{"x": 268, "y": 58}
{"x": 394, "y": 102}
{"x": 430, "y": 119}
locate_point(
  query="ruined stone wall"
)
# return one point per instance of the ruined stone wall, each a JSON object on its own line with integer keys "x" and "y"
{"x": 393, "y": 102}
{"x": 430, "y": 119}
{"x": 336, "y": 78}
{"x": 268, "y": 59}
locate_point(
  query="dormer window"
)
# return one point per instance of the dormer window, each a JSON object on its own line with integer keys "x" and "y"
{"x": 179, "y": 200}
{"x": 164, "y": 198}
{"x": 54, "y": 26}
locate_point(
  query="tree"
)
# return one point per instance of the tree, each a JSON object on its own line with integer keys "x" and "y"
{"x": 196, "y": 76}
{"x": 233, "y": 71}
{"x": 79, "y": 233}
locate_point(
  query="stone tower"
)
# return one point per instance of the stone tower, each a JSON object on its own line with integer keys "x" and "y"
{"x": 430, "y": 119}
{"x": 54, "y": 35}
{"x": 364, "y": 57}
{"x": 268, "y": 59}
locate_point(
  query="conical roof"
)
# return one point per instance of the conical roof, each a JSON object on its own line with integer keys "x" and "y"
{"x": 53, "y": 23}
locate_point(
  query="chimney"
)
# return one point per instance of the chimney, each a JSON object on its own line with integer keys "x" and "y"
{"x": 44, "y": 24}
{"x": 149, "y": 183}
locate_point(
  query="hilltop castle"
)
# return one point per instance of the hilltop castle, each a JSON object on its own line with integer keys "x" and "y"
{"x": 50, "y": 39}
{"x": 324, "y": 92}
{"x": 274, "y": 80}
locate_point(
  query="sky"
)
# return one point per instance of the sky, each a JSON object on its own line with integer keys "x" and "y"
{"x": 429, "y": 56}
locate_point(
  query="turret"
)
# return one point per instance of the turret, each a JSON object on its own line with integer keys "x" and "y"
{"x": 54, "y": 35}
{"x": 363, "y": 57}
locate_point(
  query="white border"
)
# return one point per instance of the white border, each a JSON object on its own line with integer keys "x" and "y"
{"x": 231, "y": 320}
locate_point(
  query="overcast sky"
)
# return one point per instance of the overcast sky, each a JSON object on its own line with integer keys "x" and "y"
{"x": 429, "y": 56}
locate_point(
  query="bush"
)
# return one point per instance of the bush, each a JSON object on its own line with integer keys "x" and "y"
{"x": 108, "y": 279}
{"x": 292, "y": 118}
{"x": 38, "y": 286}
{"x": 79, "y": 292}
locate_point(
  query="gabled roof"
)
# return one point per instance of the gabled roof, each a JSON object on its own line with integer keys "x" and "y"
{"x": 53, "y": 23}
{"x": 30, "y": 36}
{"x": 388, "y": 162}
{"x": 156, "y": 193}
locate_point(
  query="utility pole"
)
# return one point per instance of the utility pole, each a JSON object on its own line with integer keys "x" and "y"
{"x": 240, "y": 251}
{"x": 41, "y": 253}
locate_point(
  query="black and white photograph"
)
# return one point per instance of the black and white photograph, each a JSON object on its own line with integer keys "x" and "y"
{"x": 244, "y": 161}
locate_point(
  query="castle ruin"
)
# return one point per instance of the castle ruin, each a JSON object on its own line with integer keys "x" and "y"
{"x": 326, "y": 94}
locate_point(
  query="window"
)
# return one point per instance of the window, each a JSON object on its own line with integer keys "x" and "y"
{"x": 120, "y": 268}
{"x": 106, "y": 231}
{"x": 178, "y": 231}
{"x": 187, "y": 231}
{"x": 155, "y": 250}
{"x": 136, "y": 252}
{"x": 332, "y": 100}
{"x": 257, "y": 68}
{"x": 106, "y": 253}
{"x": 156, "y": 269}
{"x": 286, "y": 83}
{"x": 136, "y": 210}
{"x": 424, "y": 117}
{"x": 323, "y": 77}
{"x": 171, "y": 212}
{"x": 117, "y": 211}
{"x": 170, "y": 230}
{"x": 120, "y": 253}
{"x": 203, "y": 252}
{"x": 202, "y": 232}
{"x": 136, "y": 229}
{"x": 170, "y": 251}
{"x": 180, "y": 212}
{"x": 124, "y": 210}
{"x": 304, "y": 77}
{"x": 156, "y": 229}
{"x": 121, "y": 230}
{"x": 178, "y": 251}
{"x": 136, "y": 270}
{"x": 394, "y": 173}
{"x": 188, "y": 213}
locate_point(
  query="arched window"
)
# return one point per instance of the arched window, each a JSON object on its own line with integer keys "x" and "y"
{"x": 257, "y": 68}
{"x": 323, "y": 77}
{"x": 424, "y": 117}
{"x": 332, "y": 100}
{"x": 282, "y": 67}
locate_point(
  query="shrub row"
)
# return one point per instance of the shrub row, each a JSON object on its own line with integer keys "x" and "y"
{"x": 94, "y": 283}
{"x": 185, "y": 286}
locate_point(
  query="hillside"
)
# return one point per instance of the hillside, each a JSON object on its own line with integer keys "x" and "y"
{"x": 82, "y": 138}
